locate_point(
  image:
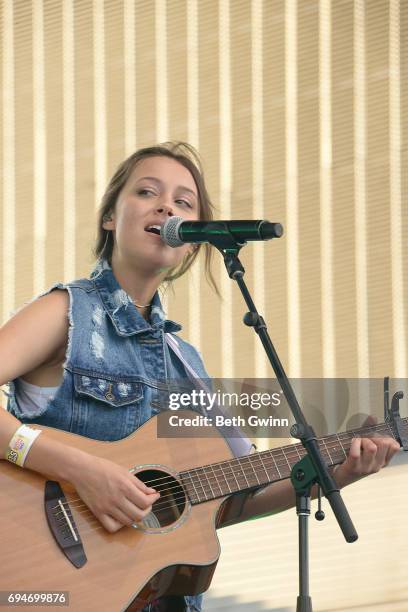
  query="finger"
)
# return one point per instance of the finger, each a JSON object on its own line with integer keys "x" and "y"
{"x": 142, "y": 486}
{"x": 121, "y": 517}
{"x": 382, "y": 448}
{"x": 134, "y": 513}
{"x": 389, "y": 444}
{"x": 392, "y": 448}
{"x": 369, "y": 446}
{"x": 140, "y": 499}
{"x": 109, "y": 523}
{"x": 368, "y": 455}
{"x": 370, "y": 420}
{"x": 128, "y": 513}
{"x": 355, "y": 449}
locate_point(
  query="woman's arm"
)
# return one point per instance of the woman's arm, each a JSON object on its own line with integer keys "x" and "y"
{"x": 28, "y": 340}
{"x": 366, "y": 456}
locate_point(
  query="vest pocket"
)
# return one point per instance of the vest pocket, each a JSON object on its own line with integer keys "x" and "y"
{"x": 115, "y": 392}
{"x": 107, "y": 406}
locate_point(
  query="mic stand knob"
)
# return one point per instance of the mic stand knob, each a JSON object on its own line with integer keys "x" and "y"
{"x": 319, "y": 515}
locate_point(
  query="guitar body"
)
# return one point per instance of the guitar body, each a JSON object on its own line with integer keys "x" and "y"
{"x": 176, "y": 555}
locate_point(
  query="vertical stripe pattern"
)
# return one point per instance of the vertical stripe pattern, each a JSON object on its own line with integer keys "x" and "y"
{"x": 9, "y": 170}
{"x": 145, "y": 81}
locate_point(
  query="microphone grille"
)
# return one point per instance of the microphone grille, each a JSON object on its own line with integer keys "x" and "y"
{"x": 169, "y": 232}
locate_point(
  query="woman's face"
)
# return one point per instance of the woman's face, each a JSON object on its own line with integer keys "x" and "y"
{"x": 159, "y": 187}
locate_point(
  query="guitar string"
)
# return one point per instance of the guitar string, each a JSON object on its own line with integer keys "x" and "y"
{"x": 178, "y": 491}
{"x": 192, "y": 474}
{"x": 98, "y": 527}
{"x": 78, "y": 504}
{"x": 268, "y": 462}
{"x": 160, "y": 505}
{"x": 253, "y": 461}
{"x": 179, "y": 495}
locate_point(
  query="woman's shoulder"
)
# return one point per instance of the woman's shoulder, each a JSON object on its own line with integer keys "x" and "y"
{"x": 52, "y": 302}
{"x": 33, "y": 335}
{"x": 81, "y": 283}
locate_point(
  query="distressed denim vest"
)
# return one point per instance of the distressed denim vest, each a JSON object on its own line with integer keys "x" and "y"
{"x": 116, "y": 363}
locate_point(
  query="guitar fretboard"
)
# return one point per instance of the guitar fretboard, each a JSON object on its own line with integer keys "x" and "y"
{"x": 251, "y": 471}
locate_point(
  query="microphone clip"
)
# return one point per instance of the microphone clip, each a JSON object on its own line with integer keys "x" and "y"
{"x": 234, "y": 267}
{"x": 224, "y": 240}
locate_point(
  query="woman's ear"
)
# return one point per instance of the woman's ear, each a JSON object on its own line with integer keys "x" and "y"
{"x": 108, "y": 221}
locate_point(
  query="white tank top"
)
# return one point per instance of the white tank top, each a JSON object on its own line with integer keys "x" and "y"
{"x": 32, "y": 397}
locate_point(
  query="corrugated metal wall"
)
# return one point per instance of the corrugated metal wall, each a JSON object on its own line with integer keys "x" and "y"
{"x": 299, "y": 110}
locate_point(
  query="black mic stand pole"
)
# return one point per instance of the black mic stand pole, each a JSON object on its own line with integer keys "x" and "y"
{"x": 312, "y": 468}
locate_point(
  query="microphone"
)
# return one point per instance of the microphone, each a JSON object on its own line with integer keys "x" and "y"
{"x": 176, "y": 231}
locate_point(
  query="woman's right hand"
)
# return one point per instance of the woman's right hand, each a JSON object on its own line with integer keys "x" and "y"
{"x": 114, "y": 495}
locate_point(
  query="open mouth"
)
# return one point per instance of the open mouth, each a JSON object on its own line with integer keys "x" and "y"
{"x": 153, "y": 229}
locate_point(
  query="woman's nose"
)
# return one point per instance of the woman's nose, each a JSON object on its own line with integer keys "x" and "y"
{"x": 166, "y": 208}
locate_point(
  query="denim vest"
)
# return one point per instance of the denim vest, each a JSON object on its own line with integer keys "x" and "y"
{"x": 116, "y": 364}
{"x": 115, "y": 367}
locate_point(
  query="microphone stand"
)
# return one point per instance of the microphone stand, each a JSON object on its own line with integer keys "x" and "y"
{"x": 312, "y": 468}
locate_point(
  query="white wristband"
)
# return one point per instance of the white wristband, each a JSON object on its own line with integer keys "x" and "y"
{"x": 20, "y": 444}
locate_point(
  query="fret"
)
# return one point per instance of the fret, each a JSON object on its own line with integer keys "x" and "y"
{"x": 257, "y": 463}
{"x": 233, "y": 473}
{"x": 341, "y": 446}
{"x": 297, "y": 450}
{"x": 253, "y": 469}
{"x": 216, "y": 480}
{"x": 284, "y": 454}
{"x": 199, "y": 483}
{"x": 226, "y": 480}
{"x": 392, "y": 433}
{"x": 276, "y": 465}
{"x": 188, "y": 475}
{"x": 263, "y": 465}
{"x": 327, "y": 451}
{"x": 243, "y": 471}
{"x": 209, "y": 483}
{"x": 334, "y": 451}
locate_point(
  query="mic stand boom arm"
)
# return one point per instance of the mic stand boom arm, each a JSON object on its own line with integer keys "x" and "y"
{"x": 312, "y": 469}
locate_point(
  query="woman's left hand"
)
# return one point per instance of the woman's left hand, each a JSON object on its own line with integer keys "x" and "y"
{"x": 366, "y": 456}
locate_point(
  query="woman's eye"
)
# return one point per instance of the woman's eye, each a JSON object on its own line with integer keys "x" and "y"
{"x": 186, "y": 203}
{"x": 145, "y": 192}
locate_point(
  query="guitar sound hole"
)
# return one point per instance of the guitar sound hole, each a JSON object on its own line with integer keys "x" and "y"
{"x": 171, "y": 503}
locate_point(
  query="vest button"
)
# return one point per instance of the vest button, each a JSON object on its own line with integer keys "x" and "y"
{"x": 109, "y": 395}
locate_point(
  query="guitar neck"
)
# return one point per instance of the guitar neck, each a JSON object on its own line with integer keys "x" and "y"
{"x": 251, "y": 471}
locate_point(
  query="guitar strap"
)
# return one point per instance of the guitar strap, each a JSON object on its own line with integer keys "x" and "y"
{"x": 239, "y": 443}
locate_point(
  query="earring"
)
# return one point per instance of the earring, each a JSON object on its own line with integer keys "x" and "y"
{"x": 106, "y": 217}
{"x": 106, "y": 240}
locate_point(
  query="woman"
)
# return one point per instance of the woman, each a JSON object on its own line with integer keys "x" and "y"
{"x": 72, "y": 354}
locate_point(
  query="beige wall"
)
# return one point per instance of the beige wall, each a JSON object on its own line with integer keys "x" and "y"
{"x": 299, "y": 110}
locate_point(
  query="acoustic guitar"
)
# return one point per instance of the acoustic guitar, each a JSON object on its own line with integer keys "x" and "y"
{"x": 51, "y": 542}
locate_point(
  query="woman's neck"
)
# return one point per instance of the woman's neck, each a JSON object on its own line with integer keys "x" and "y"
{"x": 141, "y": 287}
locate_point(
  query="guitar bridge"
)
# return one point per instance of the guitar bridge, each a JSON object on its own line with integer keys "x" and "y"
{"x": 62, "y": 524}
